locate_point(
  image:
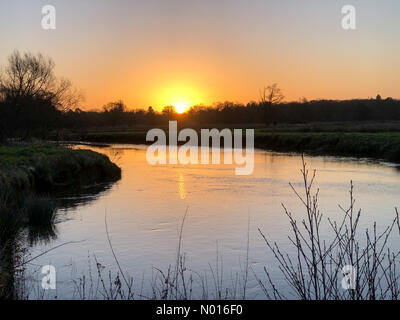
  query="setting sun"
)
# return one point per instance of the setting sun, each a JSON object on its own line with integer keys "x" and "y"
{"x": 128, "y": 127}
{"x": 181, "y": 107}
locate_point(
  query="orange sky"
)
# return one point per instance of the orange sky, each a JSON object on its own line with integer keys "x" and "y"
{"x": 161, "y": 53}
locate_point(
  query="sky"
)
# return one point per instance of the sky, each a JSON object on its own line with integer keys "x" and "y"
{"x": 168, "y": 52}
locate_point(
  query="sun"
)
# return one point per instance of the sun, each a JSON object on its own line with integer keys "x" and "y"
{"x": 181, "y": 107}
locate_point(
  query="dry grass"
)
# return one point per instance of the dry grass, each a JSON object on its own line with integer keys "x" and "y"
{"x": 315, "y": 272}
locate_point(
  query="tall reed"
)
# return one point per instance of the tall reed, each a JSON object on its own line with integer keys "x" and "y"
{"x": 319, "y": 266}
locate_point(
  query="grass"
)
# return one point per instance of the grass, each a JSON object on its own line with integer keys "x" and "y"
{"x": 22, "y": 224}
{"x": 134, "y": 137}
{"x": 343, "y": 126}
{"x": 346, "y": 267}
{"x": 27, "y": 171}
{"x": 45, "y": 168}
{"x": 363, "y": 140}
{"x": 383, "y": 145}
{"x": 29, "y": 174}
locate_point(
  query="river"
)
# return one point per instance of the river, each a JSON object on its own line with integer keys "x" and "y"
{"x": 144, "y": 211}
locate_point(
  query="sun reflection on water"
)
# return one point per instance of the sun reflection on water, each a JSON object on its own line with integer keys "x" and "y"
{"x": 181, "y": 186}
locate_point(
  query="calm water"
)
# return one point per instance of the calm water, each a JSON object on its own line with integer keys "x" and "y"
{"x": 145, "y": 208}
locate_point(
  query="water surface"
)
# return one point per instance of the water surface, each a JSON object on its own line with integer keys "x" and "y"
{"x": 145, "y": 208}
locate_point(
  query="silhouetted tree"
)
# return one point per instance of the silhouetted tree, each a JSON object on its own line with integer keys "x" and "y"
{"x": 269, "y": 97}
{"x": 168, "y": 112}
{"x": 229, "y": 113}
{"x": 29, "y": 76}
{"x": 32, "y": 96}
{"x": 116, "y": 113}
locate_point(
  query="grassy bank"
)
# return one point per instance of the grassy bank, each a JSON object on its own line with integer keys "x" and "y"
{"x": 384, "y": 145}
{"x": 125, "y": 136}
{"x": 30, "y": 173}
{"x": 376, "y": 145}
{"x": 45, "y": 167}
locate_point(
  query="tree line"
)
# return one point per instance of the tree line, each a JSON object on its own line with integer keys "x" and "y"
{"x": 34, "y": 102}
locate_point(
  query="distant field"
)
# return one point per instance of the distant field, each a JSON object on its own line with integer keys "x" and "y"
{"x": 349, "y": 126}
{"x": 382, "y": 145}
{"x": 378, "y": 140}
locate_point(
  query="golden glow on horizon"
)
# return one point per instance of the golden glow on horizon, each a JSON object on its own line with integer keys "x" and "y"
{"x": 212, "y": 52}
{"x": 180, "y": 96}
{"x": 181, "y": 107}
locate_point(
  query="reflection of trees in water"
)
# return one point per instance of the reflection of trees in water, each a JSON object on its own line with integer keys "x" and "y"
{"x": 33, "y": 221}
{"x": 9, "y": 239}
{"x": 73, "y": 198}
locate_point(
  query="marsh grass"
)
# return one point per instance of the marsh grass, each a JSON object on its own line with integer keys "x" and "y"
{"x": 365, "y": 140}
{"x": 42, "y": 167}
{"x": 316, "y": 271}
{"x": 40, "y": 213}
{"x": 21, "y": 225}
{"x": 30, "y": 173}
{"x": 381, "y": 145}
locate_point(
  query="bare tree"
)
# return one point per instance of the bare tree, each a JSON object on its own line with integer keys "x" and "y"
{"x": 271, "y": 95}
{"x": 29, "y": 76}
{"x": 117, "y": 107}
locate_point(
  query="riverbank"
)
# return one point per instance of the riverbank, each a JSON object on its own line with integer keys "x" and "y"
{"x": 30, "y": 176}
{"x": 382, "y": 146}
{"x": 42, "y": 167}
{"x": 374, "y": 145}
